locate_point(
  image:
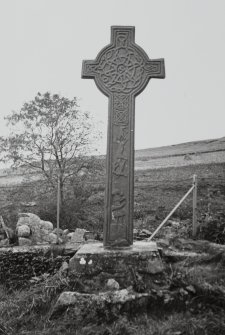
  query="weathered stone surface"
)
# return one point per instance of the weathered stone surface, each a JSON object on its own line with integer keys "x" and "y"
{"x": 24, "y": 241}
{"x": 71, "y": 248}
{"x": 47, "y": 225}
{"x": 162, "y": 242}
{"x": 119, "y": 264}
{"x": 69, "y": 236}
{"x": 52, "y": 238}
{"x": 121, "y": 71}
{"x": 40, "y": 229}
{"x": 112, "y": 284}
{"x": 28, "y": 219}
{"x": 18, "y": 264}
{"x": 89, "y": 235}
{"x": 60, "y": 231}
{"x": 90, "y": 306}
{"x": 78, "y": 235}
{"x": 23, "y": 231}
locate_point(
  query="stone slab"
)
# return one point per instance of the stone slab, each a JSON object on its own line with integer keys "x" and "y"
{"x": 98, "y": 248}
{"x": 123, "y": 265}
{"x": 91, "y": 307}
{"x": 78, "y": 235}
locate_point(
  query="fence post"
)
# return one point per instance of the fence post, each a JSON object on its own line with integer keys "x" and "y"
{"x": 194, "y": 227}
{"x": 58, "y": 208}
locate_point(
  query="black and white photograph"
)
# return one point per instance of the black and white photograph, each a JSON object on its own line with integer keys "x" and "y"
{"x": 112, "y": 167}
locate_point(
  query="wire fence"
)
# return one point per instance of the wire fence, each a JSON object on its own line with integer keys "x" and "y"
{"x": 140, "y": 182}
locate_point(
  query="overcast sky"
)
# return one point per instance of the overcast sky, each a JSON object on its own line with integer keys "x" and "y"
{"x": 43, "y": 43}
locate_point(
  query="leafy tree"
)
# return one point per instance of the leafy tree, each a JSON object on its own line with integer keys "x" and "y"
{"x": 51, "y": 135}
{"x": 1, "y": 148}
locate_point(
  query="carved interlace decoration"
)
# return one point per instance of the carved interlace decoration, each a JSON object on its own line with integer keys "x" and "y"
{"x": 121, "y": 109}
{"x": 120, "y": 69}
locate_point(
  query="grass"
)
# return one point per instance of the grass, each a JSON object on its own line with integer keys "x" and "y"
{"x": 29, "y": 307}
{"x": 27, "y": 311}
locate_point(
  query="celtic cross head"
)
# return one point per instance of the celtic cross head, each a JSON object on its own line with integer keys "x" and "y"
{"x": 122, "y": 66}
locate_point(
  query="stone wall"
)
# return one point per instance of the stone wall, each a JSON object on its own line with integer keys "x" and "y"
{"x": 19, "y": 264}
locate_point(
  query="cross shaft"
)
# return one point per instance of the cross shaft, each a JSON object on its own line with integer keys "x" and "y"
{"x": 121, "y": 71}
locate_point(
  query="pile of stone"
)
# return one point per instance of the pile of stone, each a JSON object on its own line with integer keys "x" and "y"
{"x": 32, "y": 230}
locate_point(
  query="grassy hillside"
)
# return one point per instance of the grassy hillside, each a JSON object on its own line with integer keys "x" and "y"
{"x": 184, "y": 154}
{"x": 183, "y": 148}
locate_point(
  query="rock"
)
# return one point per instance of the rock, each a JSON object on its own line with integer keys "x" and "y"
{"x": 60, "y": 231}
{"x": 91, "y": 241}
{"x": 174, "y": 224}
{"x": 40, "y": 229}
{"x": 89, "y": 235}
{"x": 149, "y": 219}
{"x": 64, "y": 267}
{"x": 82, "y": 306}
{"x": 191, "y": 289}
{"x": 66, "y": 231}
{"x": 71, "y": 248}
{"x": 47, "y": 225}
{"x": 78, "y": 235}
{"x": 94, "y": 260}
{"x": 52, "y": 238}
{"x": 169, "y": 233}
{"x": 46, "y": 228}
{"x": 25, "y": 218}
{"x": 29, "y": 204}
{"x": 69, "y": 236}
{"x": 173, "y": 256}
{"x": 24, "y": 241}
{"x": 23, "y": 231}
{"x": 4, "y": 243}
{"x": 163, "y": 242}
{"x": 146, "y": 232}
{"x": 112, "y": 284}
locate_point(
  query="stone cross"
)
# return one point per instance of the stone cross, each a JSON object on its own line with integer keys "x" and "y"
{"x": 121, "y": 71}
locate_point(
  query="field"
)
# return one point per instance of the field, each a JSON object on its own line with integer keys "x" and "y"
{"x": 158, "y": 191}
{"x": 185, "y": 154}
{"x": 162, "y": 177}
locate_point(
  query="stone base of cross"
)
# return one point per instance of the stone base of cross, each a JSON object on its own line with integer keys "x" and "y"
{"x": 121, "y": 71}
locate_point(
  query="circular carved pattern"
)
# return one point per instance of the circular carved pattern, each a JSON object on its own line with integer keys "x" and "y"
{"x": 121, "y": 69}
